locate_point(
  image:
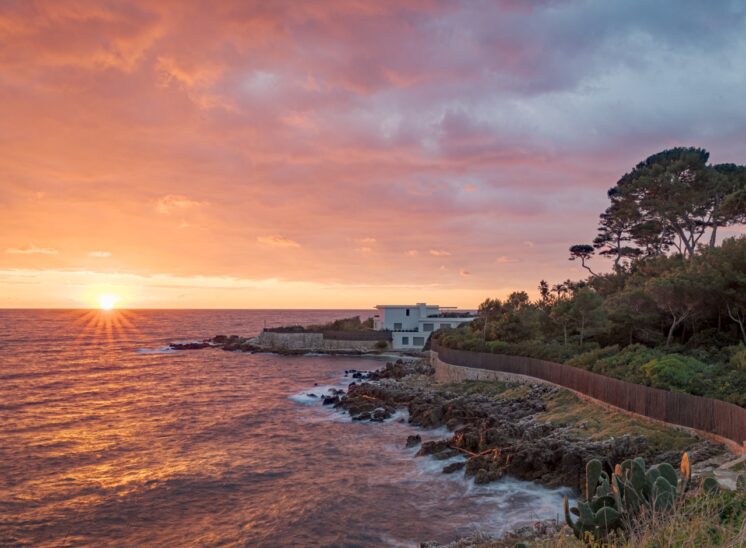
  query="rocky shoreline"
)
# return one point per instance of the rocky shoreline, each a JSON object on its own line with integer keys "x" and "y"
{"x": 235, "y": 343}
{"x": 497, "y": 435}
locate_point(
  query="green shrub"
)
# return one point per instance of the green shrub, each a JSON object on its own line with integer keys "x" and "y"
{"x": 627, "y": 364}
{"x": 590, "y": 360}
{"x": 381, "y": 345}
{"x": 498, "y": 347}
{"x": 738, "y": 358}
{"x": 676, "y": 372}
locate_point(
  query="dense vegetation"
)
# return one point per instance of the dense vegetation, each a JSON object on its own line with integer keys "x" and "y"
{"x": 672, "y": 311}
{"x": 353, "y": 323}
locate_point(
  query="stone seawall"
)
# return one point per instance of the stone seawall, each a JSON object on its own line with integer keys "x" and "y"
{"x": 311, "y": 342}
{"x": 446, "y": 372}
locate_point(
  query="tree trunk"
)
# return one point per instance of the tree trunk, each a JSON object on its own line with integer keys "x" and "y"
{"x": 670, "y": 333}
{"x": 676, "y": 322}
{"x": 564, "y": 329}
{"x": 736, "y": 317}
{"x": 713, "y": 236}
{"x": 684, "y": 239}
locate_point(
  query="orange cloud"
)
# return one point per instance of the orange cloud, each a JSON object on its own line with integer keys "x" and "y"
{"x": 278, "y": 241}
{"x": 312, "y": 131}
{"x": 31, "y": 249}
{"x": 169, "y": 203}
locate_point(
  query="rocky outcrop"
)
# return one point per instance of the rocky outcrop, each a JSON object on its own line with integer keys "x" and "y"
{"x": 234, "y": 343}
{"x": 496, "y": 436}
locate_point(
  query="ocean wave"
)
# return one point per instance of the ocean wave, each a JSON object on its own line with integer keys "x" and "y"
{"x": 319, "y": 392}
{"x": 161, "y": 350}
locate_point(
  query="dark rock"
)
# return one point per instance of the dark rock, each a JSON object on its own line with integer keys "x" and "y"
{"x": 433, "y": 447}
{"x": 189, "y": 346}
{"x": 414, "y": 440}
{"x": 506, "y": 430}
{"x": 380, "y": 414}
{"x": 453, "y": 467}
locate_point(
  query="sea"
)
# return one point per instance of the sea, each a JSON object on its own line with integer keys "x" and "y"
{"x": 109, "y": 438}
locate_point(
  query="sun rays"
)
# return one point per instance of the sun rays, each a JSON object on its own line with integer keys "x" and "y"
{"x": 105, "y": 323}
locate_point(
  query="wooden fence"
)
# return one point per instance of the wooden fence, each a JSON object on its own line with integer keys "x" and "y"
{"x": 705, "y": 414}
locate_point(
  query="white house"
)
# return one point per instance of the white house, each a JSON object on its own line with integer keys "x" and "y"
{"x": 412, "y": 324}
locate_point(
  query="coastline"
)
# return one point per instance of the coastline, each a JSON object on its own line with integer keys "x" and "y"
{"x": 496, "y": 430}
{"x": 509, "y": 429}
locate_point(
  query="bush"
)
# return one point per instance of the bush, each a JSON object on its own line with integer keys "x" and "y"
{"x": 676, "y": 372}
{"x": 498, "y": 347}
{"x": 738, "y": 358}
{"x": 590, "y": 360}
{"x": 344, "y": 324}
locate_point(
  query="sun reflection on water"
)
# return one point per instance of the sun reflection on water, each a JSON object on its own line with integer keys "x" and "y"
{"x": 108, "y": 323}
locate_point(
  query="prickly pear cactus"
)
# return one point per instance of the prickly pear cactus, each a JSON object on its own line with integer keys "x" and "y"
{"x": 710, "y": 485}
{"x": 631, "y": 487}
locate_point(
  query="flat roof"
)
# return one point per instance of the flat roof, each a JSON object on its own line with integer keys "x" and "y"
{"x": 406, "y": 305}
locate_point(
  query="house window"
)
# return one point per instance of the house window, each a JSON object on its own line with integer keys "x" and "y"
{"x": 418, "y": 341}
{"x": 405, "y": 341}
{"x": 397, "y": 326}
{"x": 428, "y": 326}
{"x": 407, "y": 311}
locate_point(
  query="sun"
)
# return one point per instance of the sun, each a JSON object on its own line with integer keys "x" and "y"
{"x": 107, "y": 302}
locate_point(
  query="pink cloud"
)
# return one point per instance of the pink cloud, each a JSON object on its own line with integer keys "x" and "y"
{"x": 168, "y": 204}
{"x": 277, "y": 241}
{"x": 31, "y": 249}
{"x": 349, "y": 126}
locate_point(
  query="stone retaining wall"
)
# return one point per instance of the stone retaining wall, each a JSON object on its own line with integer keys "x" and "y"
{"x": 446, "y": 372}
{"x": 311, "y": 342}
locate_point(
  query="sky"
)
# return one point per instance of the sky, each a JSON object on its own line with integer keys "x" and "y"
{"x": 338, "y": 154}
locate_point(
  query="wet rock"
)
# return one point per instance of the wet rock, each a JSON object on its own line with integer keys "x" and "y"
{"x": 501, "y": 435}
{"x": 433, "y": 447}
{"x": 453, "y": 467}
{"x": 414, "y": 440}
{"x": 380, "y": 414}
{"x": 189, "y": 346}
{"x": 446, "y": 454}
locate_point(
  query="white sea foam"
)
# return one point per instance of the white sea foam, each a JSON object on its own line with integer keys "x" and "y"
{"x": 161, "y": 350}
{"x": 320, "y": 391}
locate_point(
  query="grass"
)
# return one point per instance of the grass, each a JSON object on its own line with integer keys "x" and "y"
{"x": 599, "y": 423}
{"x": 566, "y": 409}
{"x": 698, "y": 520}
{"x": 505, "y": 390}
